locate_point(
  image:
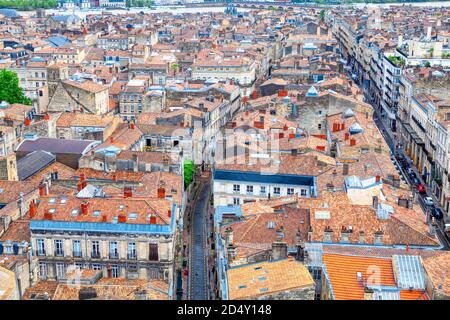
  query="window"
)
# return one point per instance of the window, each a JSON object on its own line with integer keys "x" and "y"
{"x": 236, "y": 188}
{"x": 95, "y": 249}
{"x": 59, "y": 251}
{"x": 115, "y": 271}
{"x": 113, "y": 251}
{"x": 42, "y": 270}
{"x": 262, "y": 190}
{"x": 276, "y": 191}
{"x": 40, "y": 244}
{"x": 132, "y": 250}
{"x": 96, "y": 267}
{"x": 236, "y": 201}
{"x": 319, "y": 126}
{"x": 303, "y": 192}
{"x": 153, "y": 252}
{"x": 76, "y": 247}
{"x": 60, "y": 270}
{"x": 249, "y": 189}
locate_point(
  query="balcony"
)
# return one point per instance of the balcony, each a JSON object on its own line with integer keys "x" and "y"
{"x": 77, "y": 254}
{"x": 59, "y": 253}
{"x": 40, "y": 253}
{"x": 131, "y": 256}
{"x": 114, "y": 255}
{"x": 95, "y": 255}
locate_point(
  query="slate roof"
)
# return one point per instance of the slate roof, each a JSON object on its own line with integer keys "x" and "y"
{"x": 33, "y": 163}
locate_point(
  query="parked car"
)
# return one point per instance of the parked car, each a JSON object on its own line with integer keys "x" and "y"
{"x": 437, "y": 213}
{"x": 420, "y": 188}
{"x": 428, "y": 201}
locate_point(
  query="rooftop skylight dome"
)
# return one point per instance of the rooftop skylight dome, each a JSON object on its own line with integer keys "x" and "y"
{"x": 355, "y": 128}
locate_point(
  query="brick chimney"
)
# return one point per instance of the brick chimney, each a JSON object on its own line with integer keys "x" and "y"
{"x": 169, "y": 213}
{"x": 153, "y": 218}
{"x": 84, "y": 208}
{"x": 122, "y": 218}
{"x": 352, "y": 142}
{"x": 33, "y": 209}
{"x": 127, "y": 192}
{"x": 346, "y": 136}
{"x": 161, "y": 192}
{"x": 42, "y": 190}
{"x": 279, "y": 247}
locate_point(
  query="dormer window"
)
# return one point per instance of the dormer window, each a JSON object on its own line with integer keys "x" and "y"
{"x": 74, "y": 212}
{"x": 378, "y": 238}
{"x": 96, "y": 213}
{"x": 52, "y": 200}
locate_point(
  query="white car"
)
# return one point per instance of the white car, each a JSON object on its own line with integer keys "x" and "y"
{"x": 428, "y": 201}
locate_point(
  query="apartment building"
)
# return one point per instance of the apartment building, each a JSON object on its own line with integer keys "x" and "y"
{"x": 123, "y": 236}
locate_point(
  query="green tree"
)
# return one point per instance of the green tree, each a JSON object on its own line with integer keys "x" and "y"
{"x": 427, "y": 64}
{"x": 322, "y": 15}
{"x": 10, "y": 90}
{"x": 188, "y": 172}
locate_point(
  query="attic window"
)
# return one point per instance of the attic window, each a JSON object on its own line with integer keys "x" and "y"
{"x": 132, "y": 216}
{"x": 96, "y": 213}
{"x": 242, "y": 287}
{"x": 270, "y": 225}
{"x": 52, "y": 200}
{"x": 63, "y": 200}
{"x": 52, "y": 210}
{"x": 74, "y": 212}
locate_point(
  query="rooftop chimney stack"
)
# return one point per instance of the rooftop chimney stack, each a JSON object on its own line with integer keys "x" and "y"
{"x": 84, "y": 208}
{"x": 161, "y": 192}
{"x": 127, "y": 192}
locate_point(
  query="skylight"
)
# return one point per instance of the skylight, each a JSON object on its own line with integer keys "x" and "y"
{"x": 132, "y": 216}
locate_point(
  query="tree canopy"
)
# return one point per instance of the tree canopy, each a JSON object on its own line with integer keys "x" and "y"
{"x": 28, "y": 4}
{"x": 10, "y": 90}
{"x": 188, "y": 172}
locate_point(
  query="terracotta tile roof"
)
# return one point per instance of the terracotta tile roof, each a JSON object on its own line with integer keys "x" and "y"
{"x": 437, "y": 268}
{"x": 258, "y": 279}
{"x": 108, "y": 207}
{"x": 342, "y": 271}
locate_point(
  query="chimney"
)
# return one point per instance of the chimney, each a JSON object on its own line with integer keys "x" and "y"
{"x": 375, "y": 202}
{"x": 229, "y": 236}
{"x": 346, "y": 136}
{"x": 33, "y": 209}
{"x": 231, "y": 252}
{"x": 42, "y": 190}
{"x": 300, "y": 246}
{"x": 135, "y": 162}
{"x": 345, "y": 169}
{"x": 279, "y": 250}
{"x": 46, "y": 117}
{"x": 127, "y": 192}
{"x": 169, "y": 213}
{"x": 377, "y": 179}
{"x": 27, "y": 122}
{"x": 132, "y": 125}
{"x": 161, "y": 192}
{"x": 352, "y": 142}
{"x": 281, "y": 135}
{"x": 84, "y": 208}
{"x": 152, "y": 218}
{"x": 285, "y": 127}
{"x": 122, "y": 218}
{"x": 111, "y": 139}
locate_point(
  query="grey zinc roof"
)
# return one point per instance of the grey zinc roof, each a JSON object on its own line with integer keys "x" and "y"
{"x": 409, "y": 272}
{"x": 33, "y": 163}
{"x": 57, "y": 146}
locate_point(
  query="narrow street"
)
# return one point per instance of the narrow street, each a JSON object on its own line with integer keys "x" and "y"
{"x": 198, "y": 271}
{"x": 398, "y": 152}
